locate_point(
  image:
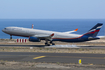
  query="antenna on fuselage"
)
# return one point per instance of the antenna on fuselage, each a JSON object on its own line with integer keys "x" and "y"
{"x": 32, "y": 26}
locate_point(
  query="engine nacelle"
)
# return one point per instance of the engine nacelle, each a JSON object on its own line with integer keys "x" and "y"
{"x": 93, "y": 38}
{"x": 34, "y": 39}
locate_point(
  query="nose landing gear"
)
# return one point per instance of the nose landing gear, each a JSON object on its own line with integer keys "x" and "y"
{"x": 10, "y": 36}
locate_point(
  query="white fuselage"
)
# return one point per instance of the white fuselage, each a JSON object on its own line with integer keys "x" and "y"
{"x": 27, "y": 32}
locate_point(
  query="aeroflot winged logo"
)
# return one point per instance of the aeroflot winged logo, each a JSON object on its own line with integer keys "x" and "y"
{"x": 97, "y": 27}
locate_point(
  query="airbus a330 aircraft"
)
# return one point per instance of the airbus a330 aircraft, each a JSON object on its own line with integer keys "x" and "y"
{"x": 36, "y": 35}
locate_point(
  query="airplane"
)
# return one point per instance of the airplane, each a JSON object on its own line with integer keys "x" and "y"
{"x": 36, "y": 35}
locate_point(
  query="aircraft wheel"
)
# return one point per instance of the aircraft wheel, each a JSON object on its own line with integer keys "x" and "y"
{"x": 46, "y": 44}
{"x": 53, "y": 43}
{"x": 50, "y": 42}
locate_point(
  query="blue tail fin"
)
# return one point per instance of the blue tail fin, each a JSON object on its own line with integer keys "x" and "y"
{"x": 94, "y": 31}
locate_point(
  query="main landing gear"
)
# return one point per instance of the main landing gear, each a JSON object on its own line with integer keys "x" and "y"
{"x": 52, "y": 43}
{"x": 48, "y": 44}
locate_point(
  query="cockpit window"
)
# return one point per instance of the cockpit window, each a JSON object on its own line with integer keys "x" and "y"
{"x": 4, "y": 28}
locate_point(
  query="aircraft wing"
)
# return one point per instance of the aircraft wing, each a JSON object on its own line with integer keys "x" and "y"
{"x": 68, "y": 32}
{"x": 44, "y": 36}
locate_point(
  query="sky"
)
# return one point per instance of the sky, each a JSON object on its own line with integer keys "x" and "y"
{"x": 52, "y": 9}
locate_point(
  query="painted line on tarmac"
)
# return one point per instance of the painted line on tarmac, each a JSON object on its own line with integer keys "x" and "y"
{"x": 39, "y": 57}
{"x": 78, "y": 57}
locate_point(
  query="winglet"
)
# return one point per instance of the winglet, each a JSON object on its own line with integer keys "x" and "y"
{"x": 76, "y": 29}
{"x": 52, "y": 34}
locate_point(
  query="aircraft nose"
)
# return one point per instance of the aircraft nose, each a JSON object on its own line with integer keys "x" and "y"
{"x": 3, "y": 30}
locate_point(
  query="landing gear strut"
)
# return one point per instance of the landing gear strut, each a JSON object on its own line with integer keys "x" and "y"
{"x": 10, "y": 36}
{"x": 46, "y": 44}
{"x": 52, "y": 43}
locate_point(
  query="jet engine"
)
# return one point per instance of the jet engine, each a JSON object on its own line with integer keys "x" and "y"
{"x": 93, "y": 38}
{"x": 34, "y": 39}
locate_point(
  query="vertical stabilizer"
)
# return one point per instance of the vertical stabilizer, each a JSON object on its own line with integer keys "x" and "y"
{"x": 94, "y": 31}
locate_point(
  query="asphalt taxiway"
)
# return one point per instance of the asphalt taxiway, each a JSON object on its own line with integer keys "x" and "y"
{"x": 53, "y": 57}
